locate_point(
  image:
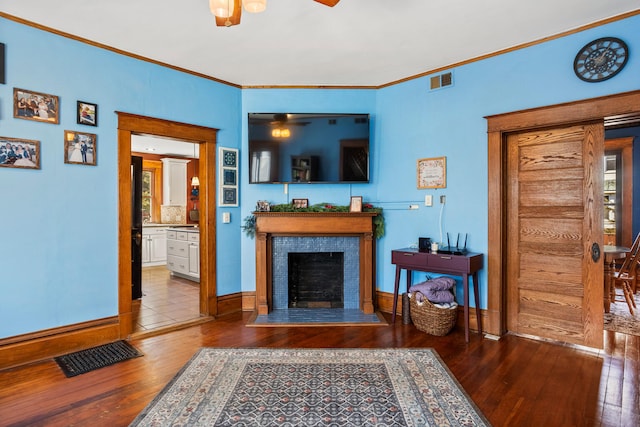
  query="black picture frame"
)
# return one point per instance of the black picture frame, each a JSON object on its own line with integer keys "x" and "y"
{"x": 3, "y": 79}
{"x": 87, "y": 113}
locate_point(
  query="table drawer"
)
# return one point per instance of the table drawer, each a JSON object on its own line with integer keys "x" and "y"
{"x": 178, "y": 264}
{"x": 409, "y": 259}
{"x": 449, "y": 262}
{"x": 177, "y": 247}
{"x": 171, "y": 234}
{"x": 194, "y": 237}
{"x": 182, "y": 235}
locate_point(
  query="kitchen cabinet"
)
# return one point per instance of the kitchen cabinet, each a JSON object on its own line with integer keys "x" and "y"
{"x": 174, "y": 182}
{"x": 183, "y": 252}
{"x": 154, "y": 246}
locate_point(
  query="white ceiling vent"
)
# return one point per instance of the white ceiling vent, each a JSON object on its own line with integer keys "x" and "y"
{"x": 442, "y": 80}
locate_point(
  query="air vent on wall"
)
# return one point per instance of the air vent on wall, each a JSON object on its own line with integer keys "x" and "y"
{"x": 441, "y": 80}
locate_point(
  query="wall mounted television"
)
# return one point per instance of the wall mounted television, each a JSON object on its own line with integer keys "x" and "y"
{"x": 308, "y": 148}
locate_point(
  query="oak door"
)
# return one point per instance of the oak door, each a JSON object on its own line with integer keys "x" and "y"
{"x": 554, "y": 218}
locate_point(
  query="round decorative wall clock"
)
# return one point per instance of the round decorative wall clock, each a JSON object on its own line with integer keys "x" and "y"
{"x": 601, "y": 59}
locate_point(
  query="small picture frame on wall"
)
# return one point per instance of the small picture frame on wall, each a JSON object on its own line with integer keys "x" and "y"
{"x": 300, "y": 203}
{"x": 19, "y": 153}
{"x": 432, "y": 172}
{"x": 80, "y": 148}
{"x": 36, "y": 106}
{"x": 229, "y": 196}
{"x": 87, "y": 113}
{"x": 356, "y": 204}
{"x": 229, "y": 177}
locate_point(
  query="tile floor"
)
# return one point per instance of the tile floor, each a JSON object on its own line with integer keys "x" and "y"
{"x": 166, "y": 300}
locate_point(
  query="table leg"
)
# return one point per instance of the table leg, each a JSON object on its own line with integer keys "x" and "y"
{"x": 476, "y": 295}
{"x": 465, "y": 291}
{"x": 396, "y": 286}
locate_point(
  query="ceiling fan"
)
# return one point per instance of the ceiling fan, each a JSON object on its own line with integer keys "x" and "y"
{"x": 228, "y": 12}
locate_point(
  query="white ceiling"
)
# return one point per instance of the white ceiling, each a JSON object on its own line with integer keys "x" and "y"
{"x": 301, "y": 42}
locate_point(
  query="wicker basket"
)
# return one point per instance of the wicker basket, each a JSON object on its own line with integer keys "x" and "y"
{"x": 431, "y": 319}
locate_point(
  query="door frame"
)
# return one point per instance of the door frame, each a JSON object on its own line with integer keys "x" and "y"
{"x": 205, "y": 137}
{"x": 612, "y": 107}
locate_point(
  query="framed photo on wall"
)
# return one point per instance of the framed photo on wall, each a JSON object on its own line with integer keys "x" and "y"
{"x": 432, "y": 172}
{"x": 40, "y": 107}
{"x": 80, "y": 148}
{"x": 87, "y": 113}
{"x": 19, "y": 153}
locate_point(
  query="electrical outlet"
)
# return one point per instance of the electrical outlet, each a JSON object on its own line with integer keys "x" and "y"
{"x": 226, "y": 217}
{"x": 443, "y": 199}
{"x": 428, "y": 200}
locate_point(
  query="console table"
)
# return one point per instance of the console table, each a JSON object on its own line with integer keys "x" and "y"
{"x": 457, "y": 265}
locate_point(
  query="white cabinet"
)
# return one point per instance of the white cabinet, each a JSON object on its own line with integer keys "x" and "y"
{"x": 174, "y": 182}
{"x": 154, "y": 246}
{"x": 183, "y": 253}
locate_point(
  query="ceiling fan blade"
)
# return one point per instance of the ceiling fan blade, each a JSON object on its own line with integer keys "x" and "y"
{"x": 329, "y": 3}
{"x": 234, "y": 19}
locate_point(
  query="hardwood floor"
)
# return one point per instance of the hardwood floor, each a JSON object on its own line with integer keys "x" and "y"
{"x": 514, "y": 381}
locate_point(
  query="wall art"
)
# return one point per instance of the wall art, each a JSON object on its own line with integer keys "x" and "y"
{"x": 80, "y": 148}
{"x": 87, "y": 113}
{"x": 228, "y": 176}
{"x": 40, "y": 107}
{"x": 19, "y": 153}
{"x": 432, "y": 172}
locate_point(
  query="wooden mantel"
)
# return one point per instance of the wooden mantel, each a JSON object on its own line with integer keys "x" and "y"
{"x": 313, "y": 224}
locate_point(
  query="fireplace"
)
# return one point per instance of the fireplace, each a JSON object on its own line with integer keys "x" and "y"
{"x": 316, "y": 279}
{"x": 279, "y": 234}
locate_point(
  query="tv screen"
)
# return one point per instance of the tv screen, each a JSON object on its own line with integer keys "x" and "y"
{"x": 308, "y": 148}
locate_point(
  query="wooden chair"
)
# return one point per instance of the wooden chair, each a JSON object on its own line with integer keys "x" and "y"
{"x": 626, "y": 275}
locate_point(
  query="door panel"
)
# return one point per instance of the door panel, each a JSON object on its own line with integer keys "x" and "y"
{"x": 554, "y": 289}
{"x": 136, "y": 227}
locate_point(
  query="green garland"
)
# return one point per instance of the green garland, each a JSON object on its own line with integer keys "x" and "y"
{"x": 249, "y": 226}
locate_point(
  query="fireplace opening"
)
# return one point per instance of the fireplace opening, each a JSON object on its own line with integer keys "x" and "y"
{"x": 316, "y": 279}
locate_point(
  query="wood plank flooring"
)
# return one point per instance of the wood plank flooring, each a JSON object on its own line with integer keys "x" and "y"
{"x": 514, "y": 381}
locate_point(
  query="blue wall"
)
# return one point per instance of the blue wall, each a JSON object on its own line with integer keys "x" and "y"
{"x": 59, "y": 245}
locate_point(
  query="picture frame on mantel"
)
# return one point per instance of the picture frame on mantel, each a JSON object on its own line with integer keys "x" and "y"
{"x": 300, "y": 203}
{"x": 432, "y": 172}
{"x": 356, "y": 204}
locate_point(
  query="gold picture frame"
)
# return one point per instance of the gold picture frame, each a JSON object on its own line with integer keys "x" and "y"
{"x": 432, "y": 172}
{"x": 80, "y": 148}
{"x": 37, "y": 106}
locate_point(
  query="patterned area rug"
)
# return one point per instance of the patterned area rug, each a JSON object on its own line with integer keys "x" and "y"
{"x": 619, "y": 319}
{"x": 313, "y": 387}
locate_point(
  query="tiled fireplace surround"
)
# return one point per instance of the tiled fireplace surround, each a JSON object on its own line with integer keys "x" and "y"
{"x": 283, "y": 245}
{"x": 278, "y": 233}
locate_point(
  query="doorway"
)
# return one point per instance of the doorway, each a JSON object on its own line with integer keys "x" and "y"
{"x": 614, "y": 108}
{"x": 128, "y": 125}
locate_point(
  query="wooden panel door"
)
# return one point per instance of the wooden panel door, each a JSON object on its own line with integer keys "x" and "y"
{"x": 554, "y": 216}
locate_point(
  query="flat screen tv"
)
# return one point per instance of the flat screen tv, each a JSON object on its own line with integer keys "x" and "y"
{"x": 308, "y": 148}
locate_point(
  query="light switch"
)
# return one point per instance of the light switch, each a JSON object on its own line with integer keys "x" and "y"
{"x": 428, "y": 200}
{"x": 226, "y": 217}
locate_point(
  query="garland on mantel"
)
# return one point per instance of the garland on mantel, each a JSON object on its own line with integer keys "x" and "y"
{"x": 249, "y": 226}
